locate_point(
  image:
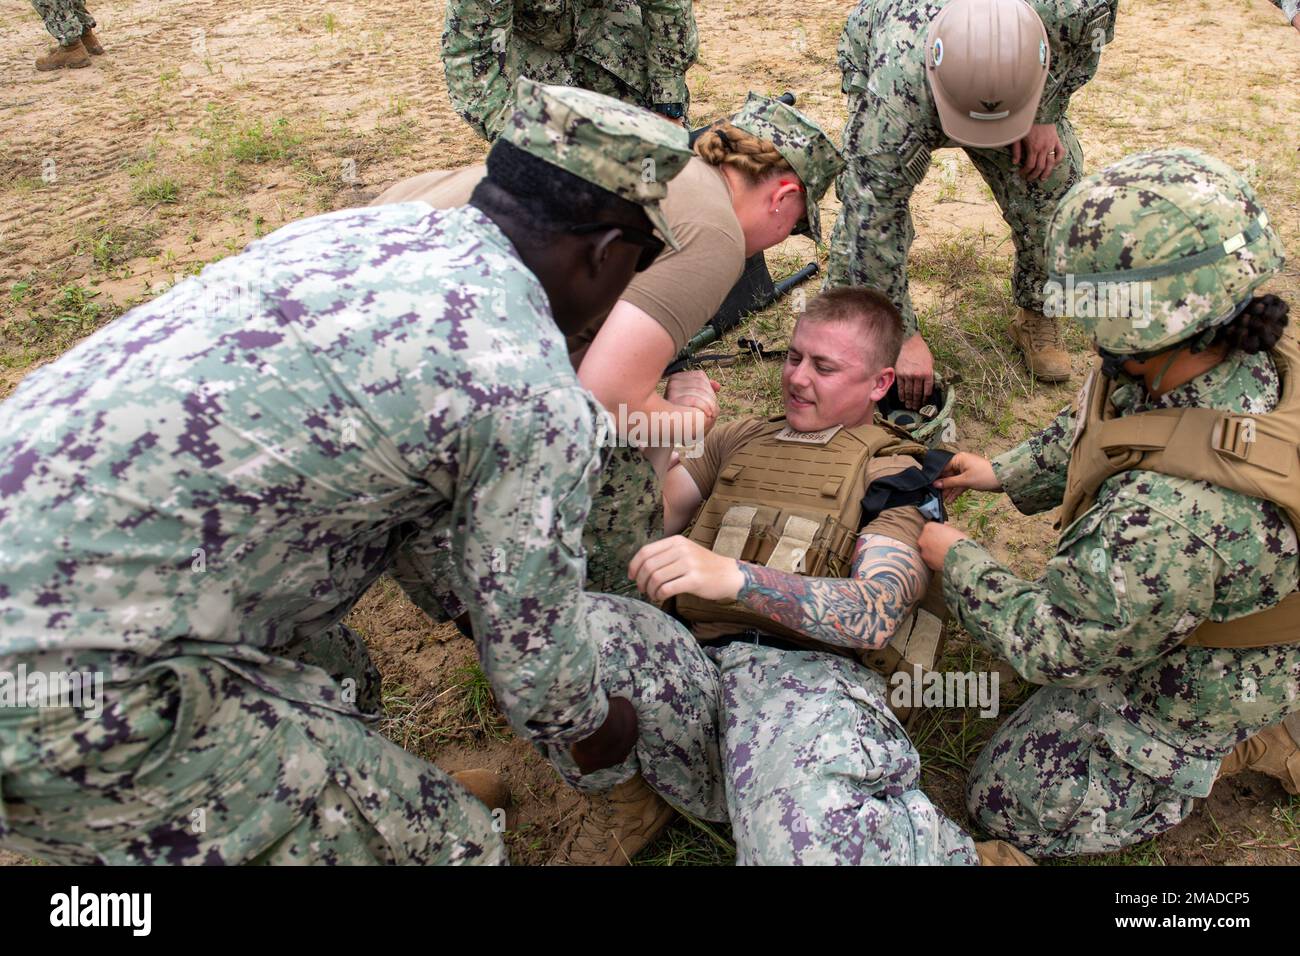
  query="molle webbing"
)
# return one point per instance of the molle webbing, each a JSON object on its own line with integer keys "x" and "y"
{"x": 1256, "y": 455}
{"x": 791, "y": 501}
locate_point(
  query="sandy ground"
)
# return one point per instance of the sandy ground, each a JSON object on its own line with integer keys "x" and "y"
{"x": 210, "y": 123}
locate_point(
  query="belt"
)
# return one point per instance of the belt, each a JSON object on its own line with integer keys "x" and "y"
{"x": 760, "y": 639}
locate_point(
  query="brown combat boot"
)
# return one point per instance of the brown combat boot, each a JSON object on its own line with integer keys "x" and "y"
{"x": 70, "y": 57}
{"x": 1274, "y": 751}
{"x": 91, "y": 42}
{"x": 485, "y": 786}
{"x": 1040, "y": 339}
{"x": 1001, "y": 853}
{"x": 616, "y": 826}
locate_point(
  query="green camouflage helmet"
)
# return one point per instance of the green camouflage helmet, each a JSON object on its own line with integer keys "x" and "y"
{"x": 629, "y": 151}
{"x": 803, "y": 144}
{"x": 1157, "y": 248}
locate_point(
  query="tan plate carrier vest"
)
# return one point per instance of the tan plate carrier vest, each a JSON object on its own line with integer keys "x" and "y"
{"x": 793, "y": 501}
{"x": 1257, "y": 455}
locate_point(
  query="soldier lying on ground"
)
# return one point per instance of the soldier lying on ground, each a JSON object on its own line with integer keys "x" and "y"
{"x": 207, "y": 486}
{"x": 740, "y": 194}
{"x": 819, "y": 769}
{"x": 1166, "y": 627}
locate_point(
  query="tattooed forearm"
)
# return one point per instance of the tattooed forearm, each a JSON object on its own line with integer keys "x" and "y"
{"x": 861, "y": 612}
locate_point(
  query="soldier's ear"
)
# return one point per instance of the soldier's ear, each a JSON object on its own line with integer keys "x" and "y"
{"x": 884, "y": 381}
{"x": 598, "y": 252}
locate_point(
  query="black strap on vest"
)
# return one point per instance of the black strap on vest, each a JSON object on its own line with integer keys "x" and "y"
{"x": 914, "y": 487}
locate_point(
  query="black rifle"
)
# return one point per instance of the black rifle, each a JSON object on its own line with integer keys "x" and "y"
{"x": 749, "y": 299}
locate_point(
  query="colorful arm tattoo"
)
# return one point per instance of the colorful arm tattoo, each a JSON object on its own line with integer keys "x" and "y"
{"x": 861, "y": 612}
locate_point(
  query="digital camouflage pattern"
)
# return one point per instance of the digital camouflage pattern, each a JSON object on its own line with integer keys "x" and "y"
{"x": 65, "y": 19}
{"x": 627, "y": 151}
{"x": 649, "y": 659}
{"x": 191, "y": 762}
{"x": 1147, "y": 720}
{"x": 802, "y": 143}
{"x": 1134, "y": 221}
{"x": 893, "y": 128}
{"x": 819, "y": 770}
{"x": 220, "y": 474}
{"x": 638, "y": 52}
{"x": 626, "y": 515}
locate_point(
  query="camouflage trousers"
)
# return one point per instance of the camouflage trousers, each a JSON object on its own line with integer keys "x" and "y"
{"x": 192, "y": 761}
{"x": 888, "y": 157}
{"x": 487, "y": 108}
{"x": 819, "y": 770}
{"x": 626, "y": 514}
{"x": 657, "y": 664}
{"x": 65, "y": 19}
{"x": 1050, "y": 783}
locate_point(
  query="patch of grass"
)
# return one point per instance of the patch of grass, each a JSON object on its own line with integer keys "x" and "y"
{"x": 975, "y": 512}
{"x": 76, "y": 305}
{"x": 330, "y": 22}
{"x": 156, "y": 191}
{"x": 477, "y": 705}
{"x": 229, "y": 139}
{"x": 111, "y": 244}
{"x": 409, "y": 720}
{"x": 690, "y": 842}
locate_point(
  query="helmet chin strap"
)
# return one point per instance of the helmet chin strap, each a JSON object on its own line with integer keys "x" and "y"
{"x": 1173, "y": 356}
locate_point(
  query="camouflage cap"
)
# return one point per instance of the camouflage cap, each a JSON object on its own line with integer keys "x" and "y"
{"x": 803, "y": 144}
{"x": 1158, "y": 247}
{"x": 629, "y": 151}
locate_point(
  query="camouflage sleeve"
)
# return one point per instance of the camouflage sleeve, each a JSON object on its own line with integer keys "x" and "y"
{"x": 522, "y": 497}
{"x": 673, "y": 45}
{"x": 1126, "y": 591}
{"x": 1289, "y": 8}
{"x": 1078, "y": 32}
{"x": 1033, "y": 473}
{"x": 475, "y": 58}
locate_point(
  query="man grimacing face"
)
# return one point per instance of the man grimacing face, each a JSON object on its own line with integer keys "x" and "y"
{"x": 826, "y": 379}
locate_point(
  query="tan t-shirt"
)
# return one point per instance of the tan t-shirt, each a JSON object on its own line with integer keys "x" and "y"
{"x": 684, "y": 288}
{"x": 903, "y": 524}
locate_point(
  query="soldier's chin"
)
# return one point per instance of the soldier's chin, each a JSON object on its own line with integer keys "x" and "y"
{"x": 800, "y": 416}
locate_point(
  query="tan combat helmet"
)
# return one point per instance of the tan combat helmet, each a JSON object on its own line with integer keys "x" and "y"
{"x": 987, "y": 63}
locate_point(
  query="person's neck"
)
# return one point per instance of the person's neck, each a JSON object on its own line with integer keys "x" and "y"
{"x": 744, "y": 204}
{"x": 1186, "y": 365}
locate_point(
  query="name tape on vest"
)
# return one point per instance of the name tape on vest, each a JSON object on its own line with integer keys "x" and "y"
{"x": 822, "y": 437}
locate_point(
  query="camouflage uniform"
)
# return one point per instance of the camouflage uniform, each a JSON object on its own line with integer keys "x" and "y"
{"x": 210, "y": 483}
{"x": 627, "y": 510}
{"x": 65, "y": 19}
{"x": 638, "y": 52}
{"x": 893, "y": 128}
{"x": 819, "y": 769}
{"x": 1133, "y": 726}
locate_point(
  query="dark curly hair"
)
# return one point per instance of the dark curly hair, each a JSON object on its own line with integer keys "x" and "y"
{"x": 1257, "y": 328}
